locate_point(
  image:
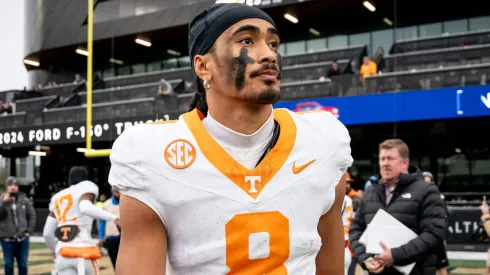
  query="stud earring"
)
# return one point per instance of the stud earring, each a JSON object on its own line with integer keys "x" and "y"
{"x": 207, "y": 84}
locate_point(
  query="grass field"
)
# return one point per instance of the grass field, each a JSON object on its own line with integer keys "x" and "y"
{"x": 40, "y": 263}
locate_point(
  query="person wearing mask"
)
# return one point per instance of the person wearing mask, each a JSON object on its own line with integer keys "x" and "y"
{"x": 441, "y": 253}
{"x": 403, "y": 193}
{"x": 108, "y": 231}
{"x": 17, "y": 222}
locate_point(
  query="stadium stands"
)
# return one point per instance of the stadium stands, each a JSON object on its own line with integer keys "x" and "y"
{"x": 429, "y": 78}
{"x": 129, "y": 92}
{"x": 121, "y": 109}
{"x": 443, "y": 61}
{"x": 441, "y": 41}
{"x": 438, "y": 58}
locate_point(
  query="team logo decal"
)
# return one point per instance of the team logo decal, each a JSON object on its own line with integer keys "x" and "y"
{"x": 180, "y": 154}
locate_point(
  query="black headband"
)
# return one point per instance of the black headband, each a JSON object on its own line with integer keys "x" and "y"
{"x": 209, "y": 24}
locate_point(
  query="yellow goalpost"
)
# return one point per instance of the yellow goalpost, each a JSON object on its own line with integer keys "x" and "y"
{"x": 91, "y": 153}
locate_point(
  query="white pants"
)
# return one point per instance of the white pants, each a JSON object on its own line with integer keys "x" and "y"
{"x": 347, "y": 260}
{"x": 69, "y": 266}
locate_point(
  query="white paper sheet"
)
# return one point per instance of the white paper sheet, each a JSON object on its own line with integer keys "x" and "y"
{"x": 403, "y": 235}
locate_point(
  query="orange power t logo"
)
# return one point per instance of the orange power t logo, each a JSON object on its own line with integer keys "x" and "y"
{"x": 65, "y": 231}
{"x": 180, "y": 154}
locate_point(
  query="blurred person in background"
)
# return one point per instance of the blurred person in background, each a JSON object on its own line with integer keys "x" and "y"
{"x": 403, "y": 193}
{"x": 78, "y": 79}
{"x": 165, "y": 88}
{"x": 17, "y": 222}
{"x": 347, "y": 216}
{"x": 334, "y": 70}
{"x": 349, "y": 191}
{"x": 368, "y": 68}
{"x": 108, "y": 231}
{"x": 485, "y": 218}
{"x": 372, "y": 180}
{"x": 441, "y": 253}
{"x": 380, "y": 60}
{"x": 102, "y": 199}
{"x": 67, "y": 230}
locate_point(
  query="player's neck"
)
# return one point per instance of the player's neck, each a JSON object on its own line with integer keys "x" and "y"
{"x": 242, "y": 119}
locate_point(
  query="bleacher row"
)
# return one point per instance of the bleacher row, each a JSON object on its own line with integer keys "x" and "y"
{"x": 443, "y": 61}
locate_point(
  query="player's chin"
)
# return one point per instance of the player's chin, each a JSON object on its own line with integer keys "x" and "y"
{"x": 266, "y": 95}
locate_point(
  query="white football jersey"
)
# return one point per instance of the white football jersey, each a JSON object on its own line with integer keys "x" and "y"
{"x": 64, "y": 205}
{"x": 222, "y": 217}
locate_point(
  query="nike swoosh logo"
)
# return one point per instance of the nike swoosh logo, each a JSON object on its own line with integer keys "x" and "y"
{"x": 298, "y": 169}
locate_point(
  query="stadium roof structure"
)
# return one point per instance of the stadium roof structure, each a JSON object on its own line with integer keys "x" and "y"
{"x": 167, "y": 29}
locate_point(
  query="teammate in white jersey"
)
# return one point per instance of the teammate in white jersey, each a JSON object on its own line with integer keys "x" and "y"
{"x": 68, "y": 227}
{"x": 233, "y": 187}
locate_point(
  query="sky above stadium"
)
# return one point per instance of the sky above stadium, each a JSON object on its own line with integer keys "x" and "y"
{"x": 13, "y": 74}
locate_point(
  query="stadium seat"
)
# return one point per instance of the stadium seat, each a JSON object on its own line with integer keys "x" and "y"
{"x": 441, "y": 41}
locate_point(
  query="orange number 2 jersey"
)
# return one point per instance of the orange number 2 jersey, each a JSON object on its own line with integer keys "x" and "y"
{"x": 222, "y": 218}
{"x": 64, "y": 205}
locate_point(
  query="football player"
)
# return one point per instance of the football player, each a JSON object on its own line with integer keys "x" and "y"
{"x": 233, "y": 186}
{"x": 67, "y": 230}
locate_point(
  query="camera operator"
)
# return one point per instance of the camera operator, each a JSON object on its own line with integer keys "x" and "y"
{"x": 17, "y": 222}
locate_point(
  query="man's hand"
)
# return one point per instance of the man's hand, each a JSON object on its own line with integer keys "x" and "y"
{"x": 484, "y": 208}
{"x": 373, "y": 266}
{"x": 6, "y": 197}
{"x": 385, "y": 258}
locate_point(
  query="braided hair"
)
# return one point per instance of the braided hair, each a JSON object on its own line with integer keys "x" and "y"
{"x": 199, "y": 100}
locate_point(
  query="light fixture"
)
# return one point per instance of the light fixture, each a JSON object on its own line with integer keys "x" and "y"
{"x": 143, "y": 42}
{"x": 369, "y": 6}
{"x": 172, "y": 52}
{"x": 83, "y": 150}
{"x": 37, "y": 153}
{"x": 458, "y": 151}
{"x": 116, "y": 61}
{"x": 314, "y": 32}
{"x": 81, "y": 51}
{"x": 388, "y": 21}
{"x": 31, "y": 62}
{"x": 291, "y": 18}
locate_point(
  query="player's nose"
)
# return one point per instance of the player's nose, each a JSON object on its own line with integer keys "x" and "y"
{"x": 266, "y": 54}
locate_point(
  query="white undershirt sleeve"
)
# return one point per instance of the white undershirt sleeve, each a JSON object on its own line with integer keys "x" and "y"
{"x": 89, "y": 209}
{"x": 48, "y": 233}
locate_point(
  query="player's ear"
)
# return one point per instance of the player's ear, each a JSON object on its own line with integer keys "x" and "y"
{"x": 202, "y": 67}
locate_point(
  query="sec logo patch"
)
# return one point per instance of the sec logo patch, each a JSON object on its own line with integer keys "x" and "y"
{"x": 180, "y": 154}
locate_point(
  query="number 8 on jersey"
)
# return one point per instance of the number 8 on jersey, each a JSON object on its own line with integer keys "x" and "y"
{"x": 257, "y": 243}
